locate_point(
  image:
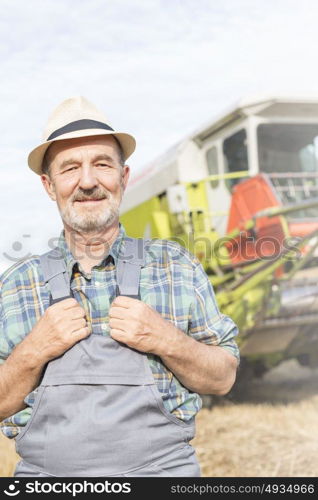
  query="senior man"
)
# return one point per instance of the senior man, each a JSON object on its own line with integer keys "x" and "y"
{"x": 105, "y": 343}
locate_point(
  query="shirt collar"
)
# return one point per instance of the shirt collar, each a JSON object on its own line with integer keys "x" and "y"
{"x": 70, "y": 259}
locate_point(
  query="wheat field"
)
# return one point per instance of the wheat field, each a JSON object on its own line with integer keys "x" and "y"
{"x": 262, "y": 440}
{"x": 8, "y": 456}
{"x": 274, "y": 438}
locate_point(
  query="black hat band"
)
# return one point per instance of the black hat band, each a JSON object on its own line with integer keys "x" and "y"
{"x": 78, "y": 125}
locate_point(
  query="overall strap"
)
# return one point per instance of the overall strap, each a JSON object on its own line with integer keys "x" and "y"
{"x": 127, "y": 270}
{"x": 55, "y": 273}
{"x": 128, "y": 267}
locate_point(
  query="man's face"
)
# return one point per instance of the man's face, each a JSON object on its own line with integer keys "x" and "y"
{"x": 87, "y": 181}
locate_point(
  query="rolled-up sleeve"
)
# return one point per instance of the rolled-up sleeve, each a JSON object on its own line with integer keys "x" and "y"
{"x": 207, "y": 323}
{"x": 4, "y": 347}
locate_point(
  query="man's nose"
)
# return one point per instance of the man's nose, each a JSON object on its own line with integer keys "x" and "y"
{"x": 88, "y": 178}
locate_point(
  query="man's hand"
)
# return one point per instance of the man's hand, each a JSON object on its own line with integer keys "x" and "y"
{"x": 139, "y": 326}
{"x": 207, "y": 369}
{"x": 62, "y": 325}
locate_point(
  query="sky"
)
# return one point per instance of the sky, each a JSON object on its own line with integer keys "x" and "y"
{"x": 158, "y": 69}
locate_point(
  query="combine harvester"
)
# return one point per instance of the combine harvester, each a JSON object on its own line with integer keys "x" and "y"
{"x": 242, "y": 195}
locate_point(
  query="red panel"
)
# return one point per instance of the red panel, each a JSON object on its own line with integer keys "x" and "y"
{"x": 248, "y": 198}
{"x": 266, "y": 239}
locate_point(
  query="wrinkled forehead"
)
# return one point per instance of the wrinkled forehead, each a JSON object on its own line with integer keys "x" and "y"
{"x": 80, "y": 146}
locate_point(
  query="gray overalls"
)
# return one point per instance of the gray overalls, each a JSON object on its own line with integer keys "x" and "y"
{"x": 98, "y": 411}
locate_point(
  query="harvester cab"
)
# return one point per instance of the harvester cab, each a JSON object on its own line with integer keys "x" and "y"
{"x": 241, "y": 193}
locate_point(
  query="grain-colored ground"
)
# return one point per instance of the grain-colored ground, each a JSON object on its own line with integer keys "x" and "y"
{"x": 248, "y": 440}
{"x": 269, "y": 429}
{"x": 8, "y": 457}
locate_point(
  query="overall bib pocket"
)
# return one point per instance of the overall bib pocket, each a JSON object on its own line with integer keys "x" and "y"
{"x": 35, "y": 408}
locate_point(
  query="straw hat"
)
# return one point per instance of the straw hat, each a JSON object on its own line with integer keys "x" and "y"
{"x": 76, "y": 117}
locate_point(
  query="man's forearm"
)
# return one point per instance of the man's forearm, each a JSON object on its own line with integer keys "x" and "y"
{"x": 62, "y": 325}
{"x": 19, "y": 375}
{"x": 202, "y": 368}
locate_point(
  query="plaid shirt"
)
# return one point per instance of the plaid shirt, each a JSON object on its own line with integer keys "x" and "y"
{"x": 173, "y": 282}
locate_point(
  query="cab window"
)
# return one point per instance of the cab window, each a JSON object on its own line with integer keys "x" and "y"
{"x": 235, "y": 156}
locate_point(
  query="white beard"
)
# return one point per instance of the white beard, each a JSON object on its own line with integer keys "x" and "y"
{"x": 91, "y": 219}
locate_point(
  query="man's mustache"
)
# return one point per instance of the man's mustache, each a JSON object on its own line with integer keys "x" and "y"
{"x": 90, "y": 196}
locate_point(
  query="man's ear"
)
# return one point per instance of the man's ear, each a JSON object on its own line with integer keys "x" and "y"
{"x": 49, "y": 186}
{"x": 125, "y": 176}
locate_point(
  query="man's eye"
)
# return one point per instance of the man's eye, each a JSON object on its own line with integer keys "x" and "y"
{"x": 69, "y": 169}
{"x": 103, "y": 165}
